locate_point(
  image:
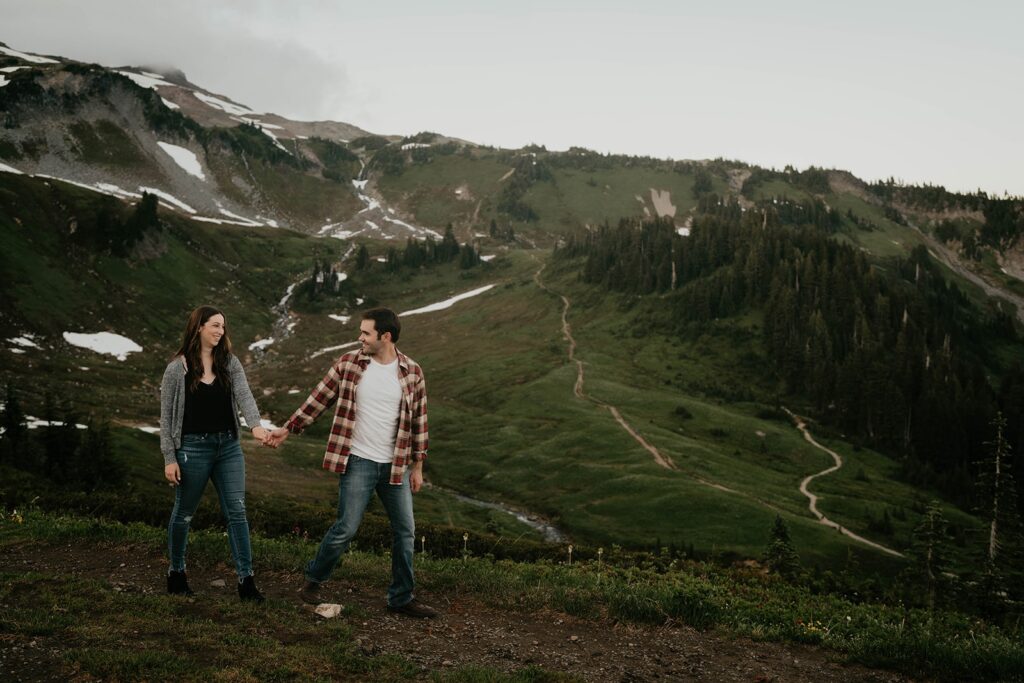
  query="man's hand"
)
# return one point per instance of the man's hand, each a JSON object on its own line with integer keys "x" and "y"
{"x": 277, "y": 437}
{"x": 416, "y": 477}
{"x": 172, "y": 473}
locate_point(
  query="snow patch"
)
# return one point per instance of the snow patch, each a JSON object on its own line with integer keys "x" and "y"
{"x": 488, "y": 257}
{"x": 220, "y": 221}
{"x": 25, "y": 340}
{"x": 287, "y": 295}
{"x": 261, "y": 344}
{"x": 371, "y": 204}
{"x": 36, "y": 423}
{"x": 105, "y": 188}
{"x": 35, "y": 59}
{"x": 345, "y": 234}
{"x": 169, "y": 198}
{"x": 144, "y": 81}
{"x": 103, "y": 342}
{"x": 218, "y": 103}
{"x": 249, "y": 221}
{"x": 333, "y": 348}
{"x": 343, "y": 319}
{"x": 413, "y": 228}
{"x": 185, "y": 158}
{"x": 4, "y": 168}
{"x": 149, "y": 430}
{"x": 448, "y": 303}
{"x": 169, "y": 104}
{"x": 12, "y": 69}
{"x": 111, "y": 189}
{"x": 360, "y": 184}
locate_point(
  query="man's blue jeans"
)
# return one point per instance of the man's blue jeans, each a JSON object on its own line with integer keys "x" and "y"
{"x": 203, "y": 457}
{"x": 362, "y": 477}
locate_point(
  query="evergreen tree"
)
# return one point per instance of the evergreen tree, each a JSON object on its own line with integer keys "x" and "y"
{"x": 394, "y": 261}
{"x": 468, "y": 257}
{"x": 998, "y": 492}
{"x": 362, "y": 257}
{"x": 780, "y": 556}
{"x": 1003, "y": 559}
{"x": 928, "y": 553}
{"x": 701, "y": 182}
{"x": 448, "y": 250}
{"x": 15, "y": 431}
{"x": 98, "y": 467}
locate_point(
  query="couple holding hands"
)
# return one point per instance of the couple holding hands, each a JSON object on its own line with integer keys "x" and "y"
{"x": 377, "y": 443}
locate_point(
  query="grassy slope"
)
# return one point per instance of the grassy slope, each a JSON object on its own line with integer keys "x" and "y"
{"x": 572, "y": 198}
{"x": 505, "y": 424}
{"x": 147, "y": 300}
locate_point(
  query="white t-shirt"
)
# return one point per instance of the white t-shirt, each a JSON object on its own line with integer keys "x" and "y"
{"x": 378, "y": 401}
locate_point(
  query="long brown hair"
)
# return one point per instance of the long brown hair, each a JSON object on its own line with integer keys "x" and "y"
{"x": 191, "y": 348}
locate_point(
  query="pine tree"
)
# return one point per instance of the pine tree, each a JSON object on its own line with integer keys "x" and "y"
{"x": 15, "y": 431}
{"x": 928, "y": 552}
{"x": 998, "y": 506}
{"x": 98, "y": 467}
{"x": 362, "y": 258}
{"x": 780, "y": 555}
{"x": 468, "y": 257}
{"x": 448, "y": 250}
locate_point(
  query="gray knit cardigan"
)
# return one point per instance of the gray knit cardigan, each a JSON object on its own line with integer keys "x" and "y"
{"x": 172, "y": 404}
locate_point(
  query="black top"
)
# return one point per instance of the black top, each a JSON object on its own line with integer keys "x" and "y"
{"x": 207, "y": 409}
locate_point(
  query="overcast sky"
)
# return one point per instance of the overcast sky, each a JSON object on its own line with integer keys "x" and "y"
{"x": 923, "y": 91}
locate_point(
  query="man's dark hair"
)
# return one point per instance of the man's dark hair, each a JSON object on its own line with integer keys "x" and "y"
{"x": 384, "y": 320}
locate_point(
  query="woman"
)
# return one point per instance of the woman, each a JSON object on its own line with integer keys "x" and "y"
{"x": 202, "y": 391}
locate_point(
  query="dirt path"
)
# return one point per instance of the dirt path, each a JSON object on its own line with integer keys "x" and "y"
{"x": 469, "y": 632}
{"x": 813, "y": 499}
{"x": 662, "y": 460}
{"x": 659, "y": 458}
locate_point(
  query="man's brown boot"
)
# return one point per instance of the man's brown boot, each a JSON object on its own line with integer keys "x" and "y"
{"x": 310, "y": 593}
{"x": 415, "y": 609}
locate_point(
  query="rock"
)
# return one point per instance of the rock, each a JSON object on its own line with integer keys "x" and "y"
{"x": 328, "y": 610}
{"x": 218, "y": 583}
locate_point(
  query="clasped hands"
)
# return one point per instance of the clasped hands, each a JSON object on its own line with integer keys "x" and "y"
{"x": 270, "y": 439}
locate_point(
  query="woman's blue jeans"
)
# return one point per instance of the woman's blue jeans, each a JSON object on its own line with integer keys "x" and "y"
{"x": 201, "y": 458}
{"x": 355, "y": 488}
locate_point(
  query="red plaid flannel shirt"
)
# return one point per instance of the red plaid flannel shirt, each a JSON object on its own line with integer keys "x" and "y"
{"x": 339, "y": 386}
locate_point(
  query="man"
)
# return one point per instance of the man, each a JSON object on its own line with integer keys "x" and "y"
{"x": 377, "y": 443}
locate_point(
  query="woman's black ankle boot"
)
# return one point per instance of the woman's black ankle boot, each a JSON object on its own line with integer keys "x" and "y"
{"x": 248, "y": 592}
{"x": 177, "y": 584}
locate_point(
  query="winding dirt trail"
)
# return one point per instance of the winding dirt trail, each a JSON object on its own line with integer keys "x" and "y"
{"x": 662, "y": 460}
{"x": 812, "y": 504}
{"x": 667, "y": 463}
{"x": 659, "y": 458}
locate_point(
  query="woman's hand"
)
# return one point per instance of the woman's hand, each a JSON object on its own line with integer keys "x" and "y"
{"x": 261, "y": 434}
{"x": 172, "y": 473}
